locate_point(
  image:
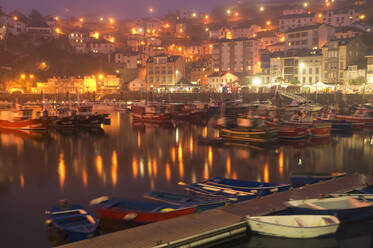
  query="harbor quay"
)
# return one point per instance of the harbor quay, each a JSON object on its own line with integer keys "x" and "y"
{"x": 218, "y": 225}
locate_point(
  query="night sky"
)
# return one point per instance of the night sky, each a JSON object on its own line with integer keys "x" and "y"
{"x": 116, "y": 8}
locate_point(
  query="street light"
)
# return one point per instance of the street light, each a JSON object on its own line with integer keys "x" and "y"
{"x": 23, "y": 76}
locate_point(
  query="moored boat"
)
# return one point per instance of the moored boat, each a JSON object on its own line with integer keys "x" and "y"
{"x": 153, "y": 114}
{"x": 72, "y": 222}
{"x": 260, "y": 188}
{"x": 140, "y": 212}
{"x": 302, "y": 178}
{"x": 344, "y": 208}
{"x": 199, "y": 202}
{"x": 294, "y": 226}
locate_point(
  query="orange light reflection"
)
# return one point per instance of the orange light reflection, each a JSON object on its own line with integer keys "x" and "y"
{"x": 191, "y": 145}
{"x": 135, "y": 167}
{"x": 168, "y": 172}
{"x": 281, "y": 163}
{"x": 62, "y": 171}
{"x": 114, "y": 168}
{"x": 22, "y": 181}
{"x": 173, "y": 154}
{"x": 266, "y": 173}
{"x": 99, "y": 165}
{"x": 155, "y": 167}
{"x": 228, "y": 166}
{"x": 85, "y": 177}
{"x": 210, "y": 156}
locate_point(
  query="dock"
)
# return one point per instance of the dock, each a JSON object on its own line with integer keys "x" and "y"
{"x": 219, "y": 224}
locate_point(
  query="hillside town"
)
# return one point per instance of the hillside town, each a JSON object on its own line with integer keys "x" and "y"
{"x": 311, "y": 46}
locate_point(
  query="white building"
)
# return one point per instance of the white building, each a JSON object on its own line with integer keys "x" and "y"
{"x": 101, "y": 46}
{"x": 220, "y": 33}
{"x": 239, "y": 55}
{"x": 341, "y": 17}
{"x": 293, "y": 21}
{"x": 137, "y": 85}
{"x": 218, "y": 80}
{"x": 309, "y": 37}
{"x": 130, "y": 60}
{"x": 245, "y": 31}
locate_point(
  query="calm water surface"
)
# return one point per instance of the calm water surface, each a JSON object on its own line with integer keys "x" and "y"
{"x": 129, "y": 159}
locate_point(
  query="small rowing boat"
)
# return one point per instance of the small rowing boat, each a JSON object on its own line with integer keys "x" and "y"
{"x": 294, "y": 226}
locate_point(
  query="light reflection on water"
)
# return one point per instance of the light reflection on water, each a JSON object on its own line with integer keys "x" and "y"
{"x": 129, "y": 160}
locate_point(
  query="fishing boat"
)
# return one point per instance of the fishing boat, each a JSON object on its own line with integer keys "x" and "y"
{"x": 294, "y": 226}
{"x": 302, "y": 178}
{"x": 362, "y": 115}
{"x": 259, "y": 188}
{"x": 216, "y": 191}
{"x": 72, "y": 222}
{"x": 150, "y": 113}
{"x": 344, "y": 208}
{"x": 338, "y": 125}
{"x": 139, "y": 212}
{"x": 22, "y": 120}
{"x": 199, "y": 202}
{"x": 287, "y": 132}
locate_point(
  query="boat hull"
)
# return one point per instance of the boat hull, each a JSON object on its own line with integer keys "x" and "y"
{"x": 33, "y": 124}
{"x": 271, "y": 229}
{"x": 303, "y": 179}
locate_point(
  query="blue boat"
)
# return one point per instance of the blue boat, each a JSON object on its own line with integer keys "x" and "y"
{"x": 216, "y": 191}
{"x": 259, "y": 188}
{"x": 346, "y": 209}
{"x": 201, "y": 203}
{"x": 72, "y": 222}
{"x": 302, "y": 178}
{"x": 339, "y": 125}
{"x": 366, "y": 190}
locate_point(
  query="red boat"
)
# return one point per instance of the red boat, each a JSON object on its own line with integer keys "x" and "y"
{"x": 289, "y": 131}
{"x": 153, "y": 114}
{"x": 362, "y": 117}
{"x": 320, "y": 129}
{"x": 22, "y": 120}
{"x": 186, "y": 112}
{"x": 140, "y": 212}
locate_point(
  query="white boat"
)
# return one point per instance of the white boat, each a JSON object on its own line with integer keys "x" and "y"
{"x": 294, "y": 226}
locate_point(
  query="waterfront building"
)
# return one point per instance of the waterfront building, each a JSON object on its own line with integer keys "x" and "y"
{"x": 339, "y": 55}
{"x": 218, "y": 80}
{"x": 164, "y": 70}
{"x": 238, "y": 55}
{"x": 292, "y": 21}
{"x": 308, "y": 37}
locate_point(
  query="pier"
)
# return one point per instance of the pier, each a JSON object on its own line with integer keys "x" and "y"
{"x": 218, "y": 224}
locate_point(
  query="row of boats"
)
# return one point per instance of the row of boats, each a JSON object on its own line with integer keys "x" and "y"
{"x": 63, "y": 118}
{"x": 307, "y": 219}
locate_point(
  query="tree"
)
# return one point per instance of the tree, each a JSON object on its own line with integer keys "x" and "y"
{"x": 279, "y": 80}
{"x": 294, "y": 81}
{"x": 35, "y": 18}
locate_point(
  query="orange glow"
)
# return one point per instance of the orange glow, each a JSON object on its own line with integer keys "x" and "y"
{"x": 281, "y": 163}
{"x": 191, "y": 145}
{"x": 62, "y": 171}
{"x": 100, "y": 76}
{"x": 155, "y": 171}
{"x": 181, "y": 168}
{"x": 112, "y": 39}
{"x": 266, "y": 173}
{"x": 180, "y": 152}
{"x": 22, "y": 181}
{"x": 327, "y": 4}
{"x": 234, "y": 175}
{"x": 151, "y": 10}
{"x": 167, "y": 25}
{"x": 268, "y": 23}
{"x": 138, "y": 139}
{"x": 81, "y": 19}
{"x": 85, "y": 178}
{"x": 261, "y": 9}
{"x": 228, "y": 166}
{"x": 142, "y": 43}
{"x": 206, "y": 174}
{"x": 204, "y": 133}
{"x": 319, "y": 15}
{"x": 181, "y": 30}
{"x": 114, "y": 168}
{"x": 236, "y": 14}
{"x": 362, "y": 17}
{"x": 173, "y": 154}
{"x": 180, "y": 49}
{"x": 99, "y": 165}
{"x": 32, "y": 76}
{"x": 135, "y": 167}
{"x": 15, "y": 18}
{"x": 168, "y": 172}
{"x": 282, "y": 39}
{"x": 134, "y": 31}
{"x": 23, "y": 76}
{"x": 58, "y": 30}
{"x": 96, "y": 35}
{"x": 111, "y": 20}
{"x": 210, "y": 156}
{"x": 254, "y": 35}
{"x": 57, "y": 18}
{"x": 150, "y": 171}
{"x": 207, "y": 17}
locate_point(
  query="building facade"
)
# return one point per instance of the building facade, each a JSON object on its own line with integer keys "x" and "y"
{"x": 164, "y": 70}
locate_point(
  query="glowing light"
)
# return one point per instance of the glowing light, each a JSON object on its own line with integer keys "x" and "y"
{"x": 362, "y": 17}
{"x": 194, "y": 14}
{"x": 138, "y": 140}
{"x": 168, "y": 172}
{"x": 149, "y": 165}
{"x": 58, "y": 30}
{"x": 282, "y": 39}
{"x": 151, "y": 10}
{"x": 167, "y": 25}
{"x": 302, "y": 65}
{"x": 210, "y": 156}
{"x": 62, "y": 171}
{"x": 155, "y": 169}
{"x": 111, "y": 20}
{"x": 114, "y": 168}
{"x": 173, "y": 154}
{"x": 84, "y": 178}
{"x": 228, "y": 166}
{"x": 319, "y": 15}
{"x": 135, "y": 167}
{"x": 56, "y": 18}
{"x": 266, "y": 173}
{"x": 191, "y": 145}
{"x": 257, "y": 82}
{"x": 15, "y": 18}
{"x": 81, "y": 19}
{"x": 22, "y": 181}
{"x": 261, "y": 8}
{"x": 207, "y": 17}
{"x": 32, "y": 76}
{"x": 96, "y": 35}
{"x": 181, "y": 30}
{"x": 268, "y": 23}
{"x": 229, "y": 11}
{"x": 180, "y": 152}
{"x": 112, "y": 39}
{"x": 23, "y": 76}
{"x": 281, "y": 163}
{"x": 236, "y": 14}
{"x": 206, "y": 171}
{"x": 181, "y": 168}
{"x": 101, "y": 19}
{"x": 100, "y": 76}
{"x": 234, "y": 176}
{"x": 204, "y": 132}
{"x": 305, "y": 5}
{"x": 99, "y": 165}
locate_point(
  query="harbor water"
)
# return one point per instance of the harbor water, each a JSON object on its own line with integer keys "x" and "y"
{"x": 128, "y": 159}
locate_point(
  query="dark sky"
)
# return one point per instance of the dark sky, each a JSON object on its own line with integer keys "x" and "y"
{"x": 116, "y": 8}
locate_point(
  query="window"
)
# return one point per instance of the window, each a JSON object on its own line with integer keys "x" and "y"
{"x": 317, "y": 71}
{"x": 310, "y": 80}
{"x": 304, "y": 80}
{"x": 310, "y": 70}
